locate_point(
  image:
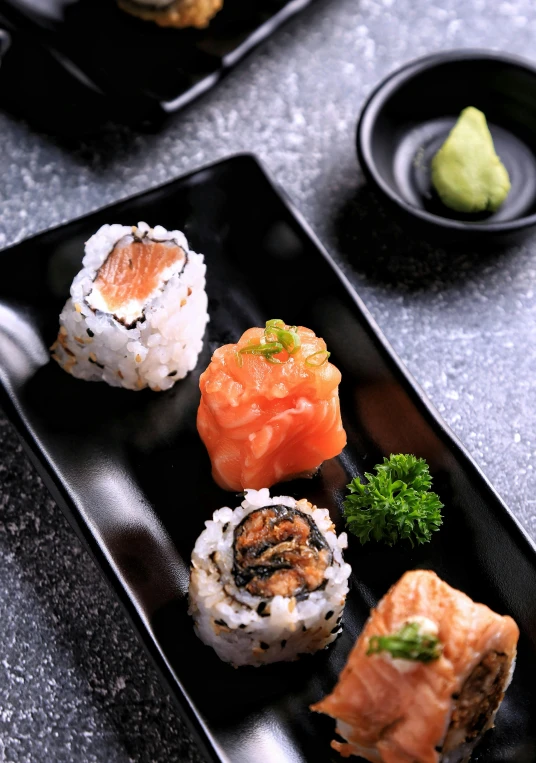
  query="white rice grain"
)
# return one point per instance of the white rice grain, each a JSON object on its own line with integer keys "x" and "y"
{"x": 228, "y": 617}
{"x": 161, "y": 347}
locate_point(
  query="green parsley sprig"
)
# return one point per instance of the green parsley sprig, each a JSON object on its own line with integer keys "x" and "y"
{"x": 409, "y": 643}
{"x": 394, "y": 504}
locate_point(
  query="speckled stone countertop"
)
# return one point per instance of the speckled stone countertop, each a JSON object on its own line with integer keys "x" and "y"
{"x": 75, "y": 685}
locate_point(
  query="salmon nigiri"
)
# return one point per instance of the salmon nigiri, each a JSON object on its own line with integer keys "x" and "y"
{"x": 269, "y": 407}
{"x": 426, "y": 676}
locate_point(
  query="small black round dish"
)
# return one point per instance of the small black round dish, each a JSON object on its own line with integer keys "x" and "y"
{"x": 409, "y": 115}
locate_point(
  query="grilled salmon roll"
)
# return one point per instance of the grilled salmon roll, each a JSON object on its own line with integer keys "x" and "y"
{"x": 425, "y": 678}
{"x": 269, "y": 407}
{"x": 137, "y": 311}
{"x": 174, "y": 13}
{"x": 268, "y": 580}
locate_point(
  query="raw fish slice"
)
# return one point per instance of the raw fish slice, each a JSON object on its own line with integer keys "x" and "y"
{"x": 406, "y": 711}
{"x": 268, "y": 419}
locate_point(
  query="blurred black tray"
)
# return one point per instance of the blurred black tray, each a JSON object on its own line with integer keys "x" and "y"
{"x": 70, "y": 66}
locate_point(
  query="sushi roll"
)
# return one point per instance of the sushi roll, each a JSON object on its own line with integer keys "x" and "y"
{"x": 268, "y": 580}
{"x": 269, "y": 407}
{"x": 137, "y": 311}
{"x": 174, "y": 13}
{"x": 426, "y": 676}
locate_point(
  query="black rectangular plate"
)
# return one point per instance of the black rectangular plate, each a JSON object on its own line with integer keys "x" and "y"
{"x": 73, "y": 64}
{"x": 130, "y": 471}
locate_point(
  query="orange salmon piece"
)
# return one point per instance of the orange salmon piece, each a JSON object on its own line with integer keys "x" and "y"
{"x": 264, "y": 422}
{"x": 132, "y": 272}
{"x": 401, "y": 711}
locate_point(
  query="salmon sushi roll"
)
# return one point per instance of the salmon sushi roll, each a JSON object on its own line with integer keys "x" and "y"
{"x": 268, "y": 580}
{"x": 137, "y": 311}
{"x": 174, "y": 13}
{"x": 426, "y": 677}
{"x": 269, "y": 407}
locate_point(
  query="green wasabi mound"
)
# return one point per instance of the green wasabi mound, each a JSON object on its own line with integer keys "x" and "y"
{"x": 466, "y": 172}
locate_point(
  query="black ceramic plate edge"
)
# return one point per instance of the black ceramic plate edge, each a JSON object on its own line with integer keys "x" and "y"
{"x": 61, "y": 494}
{"x": 390, "y": 83}
{"x": 418, "y": 395}
{"x": 256, "y": 38}
{"x": 206, "y": 742}
{"x": 113, "y": 106}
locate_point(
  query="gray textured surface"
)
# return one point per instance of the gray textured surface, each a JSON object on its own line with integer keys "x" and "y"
{"x": 74, "y": 683}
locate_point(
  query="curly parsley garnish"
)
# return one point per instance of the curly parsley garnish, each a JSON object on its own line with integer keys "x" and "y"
{"x": 408, "y": 644}
{"x": 394, "y": 504}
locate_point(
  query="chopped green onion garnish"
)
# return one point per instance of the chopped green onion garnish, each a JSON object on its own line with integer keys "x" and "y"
{"x": 267, "y": 349}
{"x": 317, "y": 358}
{"x": 408, "y": 644}
{"x": 275, "y": 323}
{"x": 289, "y": 339}
{"x": 277, "y": 331}
{"x": 277, "y": 338}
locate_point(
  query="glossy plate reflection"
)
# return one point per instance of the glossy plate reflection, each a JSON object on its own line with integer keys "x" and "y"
{"x": 131, "y": 473}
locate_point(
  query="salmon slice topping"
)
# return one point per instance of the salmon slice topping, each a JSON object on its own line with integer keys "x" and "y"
{"x": 395, "y": 709}
{"x": 134, "y": 270}
{"x": 269, "y": 408}
{"x": 279, "y": 551}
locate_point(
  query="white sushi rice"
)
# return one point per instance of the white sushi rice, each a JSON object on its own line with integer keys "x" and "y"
{"x": 250, "y": 630}
{"x": 156, "y": 350}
